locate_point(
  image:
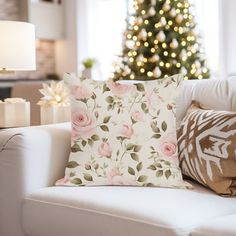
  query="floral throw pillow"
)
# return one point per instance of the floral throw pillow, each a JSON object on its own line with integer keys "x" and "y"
{"x": 123, "y": 134}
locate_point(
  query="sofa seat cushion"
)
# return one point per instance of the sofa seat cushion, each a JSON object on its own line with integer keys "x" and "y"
{"x": 225, "y": 225}
{"x": 116, "y": 211}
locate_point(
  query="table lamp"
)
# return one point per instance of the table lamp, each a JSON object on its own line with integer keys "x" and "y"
{"x": 17, "y": 46}
{"x": 17, "y": 53}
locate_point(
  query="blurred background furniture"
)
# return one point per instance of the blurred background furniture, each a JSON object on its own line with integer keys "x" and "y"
{"x": 30, "y": 92}
{"x": 27, "y": 89}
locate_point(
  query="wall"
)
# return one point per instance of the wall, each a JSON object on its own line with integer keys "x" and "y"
{"x": 66, "y": 51}
{"x": 45, "y": 50}
{"x": 70, "y": 52}
{"x": 9, "y": 10}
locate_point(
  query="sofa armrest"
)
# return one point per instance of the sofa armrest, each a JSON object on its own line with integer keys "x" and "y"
{"x": 30, "y": 158}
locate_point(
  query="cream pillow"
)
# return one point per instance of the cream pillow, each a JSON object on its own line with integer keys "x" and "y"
{"x": 123, "y": 134}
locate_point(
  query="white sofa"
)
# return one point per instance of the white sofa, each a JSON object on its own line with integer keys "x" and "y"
{"x": 33, "y": 158}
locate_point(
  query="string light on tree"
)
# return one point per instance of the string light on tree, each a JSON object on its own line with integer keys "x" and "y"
{"x": 132, "y": 76}
{"x": 161, "y": 63}
{"x": 161, "y": 40}
{"x": 164, "y": 45}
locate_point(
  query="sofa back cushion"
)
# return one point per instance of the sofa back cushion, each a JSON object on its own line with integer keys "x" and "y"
{"x": 213, "y": 93}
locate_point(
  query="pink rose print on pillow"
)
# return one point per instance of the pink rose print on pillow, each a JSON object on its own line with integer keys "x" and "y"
{"x": 115, "y": 177}
{"x": 126, "y": 131}
{"x": 120, "y": 90}
{"x": 114, "y": 172}
{"x": 169, "y": 147}
{"x": 104, "y": 150}
{"x": 62, "y": 181}
{"x": 74, "y": 135}
{"x": 153, "y": 99}
{"x": 137, "y": 116}
{"x": 80, "y": 92}
{"x": 83, "y": 124}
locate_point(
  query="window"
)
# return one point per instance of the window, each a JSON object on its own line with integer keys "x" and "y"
{"x": 106, "y": 24}
{"x": 207, "y": 19}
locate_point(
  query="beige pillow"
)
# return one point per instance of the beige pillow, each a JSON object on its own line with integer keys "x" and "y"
{"x": 207, "y": 148}
{"x": 123, "y": 134}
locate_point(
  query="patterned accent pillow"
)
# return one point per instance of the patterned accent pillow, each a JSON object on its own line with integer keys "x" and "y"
{"x": 123, "y": 134}
{"x": 207, "y": 148}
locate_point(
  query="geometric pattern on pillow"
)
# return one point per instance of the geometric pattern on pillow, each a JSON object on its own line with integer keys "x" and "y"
{"x": 207, "y": 148}
{"x": 123, "y": 134}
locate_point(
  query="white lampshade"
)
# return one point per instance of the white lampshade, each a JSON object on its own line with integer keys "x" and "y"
{"x": 17, "y": 46}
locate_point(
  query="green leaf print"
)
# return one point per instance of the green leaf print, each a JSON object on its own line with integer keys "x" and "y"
{"x": 95, "y": 137}
{"x": 129, "y": 146}
{"x": 155, "y": 128}
{"x": 134, "y": 156}
{"x": 168, "y": 174}
{"x": 131, "y": 171}
{"x": 140, "y": 87}
{"x": 156, "y": 136}
{"x": 159, "y": 173}
{"x": 76, "y": 148}
{"x": 84, "y": 143}
{"x": 72, "y": 164}
{"x": 109, "y": 99}
{"x": 164, "y": 126}
{"x": 152, "y": 167}
{"x": 142, "y": 178}
{"x": 105, "y": 88}
{"x": 137, "y": 148}
{"x": 139, "y": 166}
{"x": 90, "y": 142}
{"x": 88, "y": 177}
{"x": 144, "y": 107}
{"x": 76, "y": 181}
{"x": 106, "y": 119}
{"x": 104, "y": 128}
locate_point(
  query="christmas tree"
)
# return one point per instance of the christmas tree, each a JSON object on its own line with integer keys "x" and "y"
{"x": 160, "y": 41}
